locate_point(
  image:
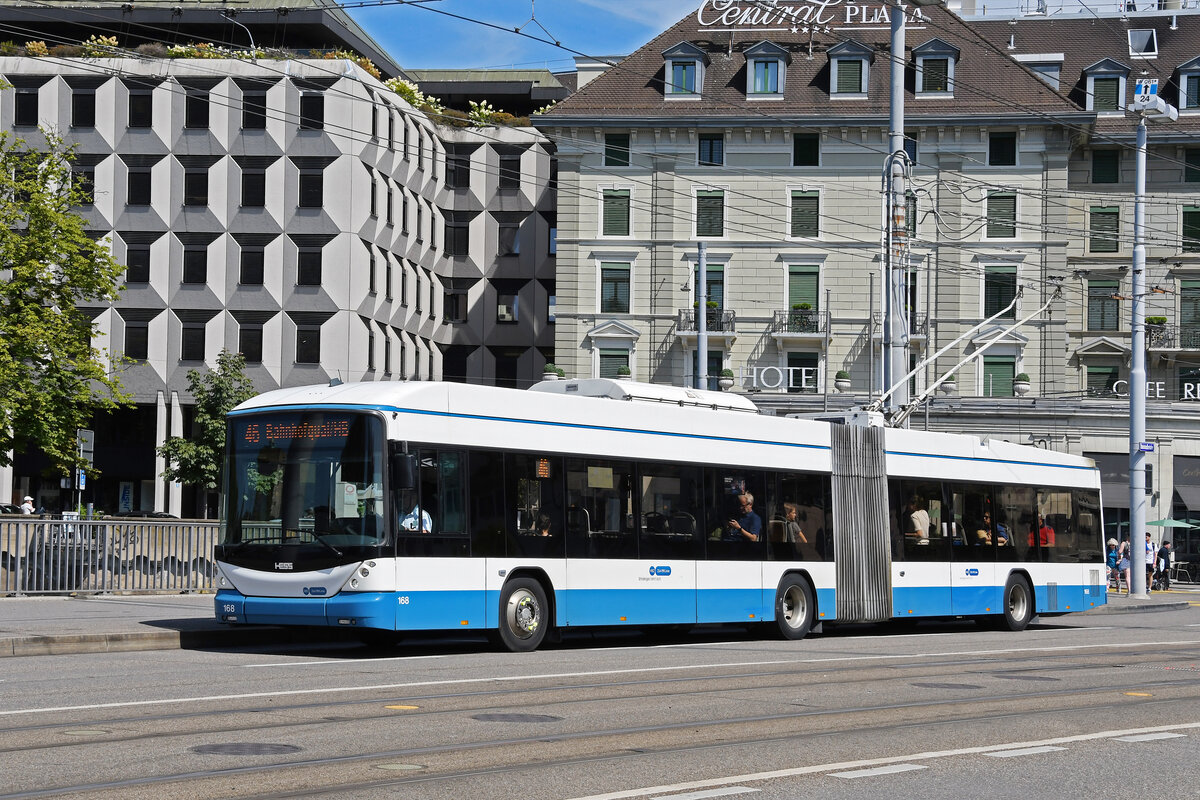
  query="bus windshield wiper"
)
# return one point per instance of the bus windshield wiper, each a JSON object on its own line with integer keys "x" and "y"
{"x": 317, "y": 538}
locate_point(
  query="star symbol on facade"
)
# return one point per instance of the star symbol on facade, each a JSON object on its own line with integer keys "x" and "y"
{"x": 795, "y": 29}
{"x": 805, "y": 29}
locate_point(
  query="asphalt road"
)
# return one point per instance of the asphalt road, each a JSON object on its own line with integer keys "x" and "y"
{"x": 1089, "y": 706}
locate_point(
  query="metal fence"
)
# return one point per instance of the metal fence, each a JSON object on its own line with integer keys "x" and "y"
{"x": 53, "y": 556}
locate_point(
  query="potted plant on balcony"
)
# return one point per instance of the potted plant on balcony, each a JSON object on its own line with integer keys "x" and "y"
{"x": 1021, "y": 384}
{"x": 623, "y": 374}
{"x": 549, "y": 372}
{"x": 725, "y": 381}
{"x": 803, "y": 319}
{"x": 841, "y": 381}
{"x": 1156, "y": 331}
{"x": 950, "y": 385}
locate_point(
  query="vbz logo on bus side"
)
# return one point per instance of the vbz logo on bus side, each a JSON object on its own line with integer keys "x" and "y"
{"x": 972, "y": 572}
{"x": 661, "y": 571}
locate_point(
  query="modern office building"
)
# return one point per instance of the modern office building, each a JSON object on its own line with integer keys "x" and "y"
{"x": 761, "y": 131}
{"x": 297, "y": 211}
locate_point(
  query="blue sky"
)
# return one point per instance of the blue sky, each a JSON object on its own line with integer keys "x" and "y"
{"x": 418, "y": 38}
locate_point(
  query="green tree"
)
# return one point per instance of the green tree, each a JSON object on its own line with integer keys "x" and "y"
{"x": 216, "y": 391}
{"x": 52, "y": 380}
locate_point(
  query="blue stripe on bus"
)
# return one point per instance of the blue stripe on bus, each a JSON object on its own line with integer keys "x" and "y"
{"x": 642, "y": 431}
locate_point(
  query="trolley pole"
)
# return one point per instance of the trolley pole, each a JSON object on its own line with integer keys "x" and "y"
{"x": 702, "y": 317}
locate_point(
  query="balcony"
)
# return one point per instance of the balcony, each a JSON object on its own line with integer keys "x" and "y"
{"x": 918, "y": 329}
{"x": 1172, "y": 337}
{"x": 720, "y": 324}
{"x": 797, "y": 327}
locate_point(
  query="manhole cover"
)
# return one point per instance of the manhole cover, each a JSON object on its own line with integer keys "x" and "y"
{"x": 516, "y": 718}
{"x": 245, "y": 749}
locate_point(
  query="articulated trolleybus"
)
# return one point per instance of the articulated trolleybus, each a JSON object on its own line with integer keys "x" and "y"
{"x": 397, "y": 507}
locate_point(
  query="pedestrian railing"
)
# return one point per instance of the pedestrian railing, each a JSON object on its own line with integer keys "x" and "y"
{"x": 53, "y": 556}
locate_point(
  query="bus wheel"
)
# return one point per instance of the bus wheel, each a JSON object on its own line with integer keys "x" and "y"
{"x": 1018, "y": 603}
{"x": 794, "y": 608}
{"x": 523, "y": 615}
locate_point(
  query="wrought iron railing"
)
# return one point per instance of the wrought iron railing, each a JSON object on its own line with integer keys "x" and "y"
{"x": 799, "y": 320}
{"x": 716, "y": 320}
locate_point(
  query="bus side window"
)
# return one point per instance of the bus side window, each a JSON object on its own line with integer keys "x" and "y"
{"x": 600, "y": 509}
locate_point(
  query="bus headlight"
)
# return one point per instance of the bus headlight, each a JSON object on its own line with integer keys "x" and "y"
{"x": 364, "y": 572}
{"x": 354, "y": 583}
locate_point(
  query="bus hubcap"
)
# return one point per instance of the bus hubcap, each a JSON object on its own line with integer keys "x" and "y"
{"x": 523, "y": 614}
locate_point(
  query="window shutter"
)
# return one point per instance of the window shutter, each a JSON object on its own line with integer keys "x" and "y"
{"x": 611, "y": 361}
{"x": 1106, "y": 166}
{"x": 1189, "y": 303}
{"x": 616, "y": 212}
{"x": 849, "y": 75}
{"x": 1191, "y": 173}
{"x": 935, "y": 74}
{"x": 1191, "y": 229}
{"x": 999, "y": 289}
{"x": 1104, "y": 94}
{"x": 1104, "y": 312}
{"x": 806, "y": 213}
{"x": 802, "y": 285}
{"x": 1001, "y": 215}
{"x": 710, "y": 213}
{"x": 1106, "y": 223}
{"x": 1193, "y": 91}
{"x": 1100, "y": 380}
{"x": 998, "y": 373}
{"x": 614, "y": 288}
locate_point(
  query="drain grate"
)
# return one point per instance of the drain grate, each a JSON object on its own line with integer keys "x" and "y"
{"x": 516, "y": 718}
{"x": 245, "y": 749}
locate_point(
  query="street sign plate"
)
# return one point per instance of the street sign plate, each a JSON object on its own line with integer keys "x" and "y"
{"x": 1146, "y": 447}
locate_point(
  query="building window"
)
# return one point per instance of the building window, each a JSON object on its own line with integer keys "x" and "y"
{"x": 417, "y": 289}
{"x": 803, "y": 287}
{"x": 1189, "y": 90}
{"x": 681, "y": 77}
{"x": 764, "y": 76}
{"x": 1104, "y": 228}
{"x": 137, "y": 265}
{"x": 506, "y": 307}
{"x": 1049, "y": 73}
{"x": 195, "y": 265}
{"x": 615, "y": 213}
{"x": 403, "y": 211}
{"x": 614, "y": 288}
{"x": 192, "y": 342}
{"x": 312, "y": 190}
{"x": 308, "y": 344}
{"x": 420, "y": 149}
{"x": 510, "y": 170}
{"x": 454, "y": 304}
{"x": 138, "y": 188}
{"x": 195, "y": 111}
{"x": 372, "y": 268}
{"x": 1002, "y": 149}
{"x": 141, "y": 109}
{"x": 403, "y": 285}
{"x": 83, "y": 109}
{"x": 714, "y": 286}
{"x": 458, "y": 239}
{"x": 1191, "y": 229}
{"x": 420, "y": 222}
{"x": 552, "y": 247}
{"x": 251, "y": 266}
{"x": 1189, "y": 314}
{"x": 387, "y": 354}
{"x": 1106, "y": 93}
{"x": 312, "y": 111}
{"x": 1101, "y": 380}
{"x": 458, "y": 170}
{"x": 391, "y": 136}
{"x": 1143, "y": 43}
{"x": 910, "y": 212}
{"x": 806, "y": 214}
{"x": 616, "y": 150}
{"x": 803, "y": 373}
{"x": 254, "y": 189}
{"x": 1103, "y": 309}
{"x": 806, "y": 150}
{"x": 998, "y": 374}
{"x": 712, "y": 149}
{"x": 195, "y": 187}
{"x": 250, "y": 342}
{"x": 254, "y": 110}
{"x": 1001, "y": 215}
{"x": 387, "y": 278}
{"x": 308, "y": 268}
{"x": 1106, "y": 166}
{"x": 404, "y": 132}
{"x": 1191, "y": 172}
{"x": 849, "y": 76}
{"x": 933, "y": 75}
{"x": 613, "y": 362}
{"x": 710, "y": 212}
{"x": 84, "y": 181}
{"x": 373, "y": 203}
{"x": 25, "y": 112}
{"x": 137, "y": 340}
{"x": 509, "y": 236}
{"x": 999, "y": 290}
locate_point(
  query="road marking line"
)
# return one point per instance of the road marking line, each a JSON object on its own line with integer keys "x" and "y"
{"x": 1027, "y": 751}
{"x": 1150, "y": 737}
{"x": 732, "y": 790}
{"x": 676, "y": 669}
{"x": 876, "y": 762}
{"x": 870, "y": 773}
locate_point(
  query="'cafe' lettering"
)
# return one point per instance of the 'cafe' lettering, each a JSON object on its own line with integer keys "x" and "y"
{"x": 774, "y": 14}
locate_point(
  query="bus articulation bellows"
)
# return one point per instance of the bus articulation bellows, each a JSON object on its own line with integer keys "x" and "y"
{"x": 395, "y": 507}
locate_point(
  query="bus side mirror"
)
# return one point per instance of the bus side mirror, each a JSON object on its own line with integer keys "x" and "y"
{"x": 404, "y": 471}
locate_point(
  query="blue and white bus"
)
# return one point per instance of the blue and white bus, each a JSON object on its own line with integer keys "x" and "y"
{"x": 395, "y": 507}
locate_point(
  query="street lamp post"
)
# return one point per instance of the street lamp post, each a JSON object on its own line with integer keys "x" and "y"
{"x": 1146, "y": 104}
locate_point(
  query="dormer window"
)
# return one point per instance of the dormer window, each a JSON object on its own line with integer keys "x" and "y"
{"x": 849, "y": 64}
{"x": 684, "y": 71}
{"x": 766, "y": 69}
{"x": 1143, "y": 43}
{"x": 1047, "y": 66}
{"x": 1189, "y": 85}
{"x": 1106, "y": 86}
{"x": 935, "y": 68}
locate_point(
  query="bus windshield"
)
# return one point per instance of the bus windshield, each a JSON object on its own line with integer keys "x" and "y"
{"x": 305, "y": 478}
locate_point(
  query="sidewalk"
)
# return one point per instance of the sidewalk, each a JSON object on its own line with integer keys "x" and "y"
{"x": 31, "y": 626}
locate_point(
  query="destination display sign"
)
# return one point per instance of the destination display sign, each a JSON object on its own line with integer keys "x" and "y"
{"x": 797, "y": 16}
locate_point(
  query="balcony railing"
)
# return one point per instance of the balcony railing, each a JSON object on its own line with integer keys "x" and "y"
{"x": 1173, "y": 337}
{"x": 794, "y": 320}
{"x": 716, "y": 320}
{"x": 918, "y": 324}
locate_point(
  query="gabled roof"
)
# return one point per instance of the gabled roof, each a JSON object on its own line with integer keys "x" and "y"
{"x": 633, "y": 90}
{"x": 936, "y": 47}
{"x": 768, "y": 50}
{"x": 1106, "y": 65}
{"x": 685, "y": 50}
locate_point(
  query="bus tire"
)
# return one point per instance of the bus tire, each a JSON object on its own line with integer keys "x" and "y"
{"x": 794, "y": 607}
{"x": 524, "y": 615}
{"x": 1018, "y": 603}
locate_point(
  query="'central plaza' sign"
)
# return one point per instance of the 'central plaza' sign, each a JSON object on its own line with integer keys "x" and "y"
{"x": 798, "y": 17}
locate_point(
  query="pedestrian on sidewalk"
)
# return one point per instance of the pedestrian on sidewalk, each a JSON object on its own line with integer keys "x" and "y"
{"x": 1163, "y": 561}
{"x": 1150, "y": 551}
{"x": 1123, "y": 564}
{"x": 27, "y": 505}
{"x": 1112, "y": 559}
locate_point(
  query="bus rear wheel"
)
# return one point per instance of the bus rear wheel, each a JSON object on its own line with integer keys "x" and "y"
{"x": 1018, "y": 603}
{"x": 524, "y": 615}
{"x": 794, "y": 608}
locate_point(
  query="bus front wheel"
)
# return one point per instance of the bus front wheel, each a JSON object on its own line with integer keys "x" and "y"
{"x": 524, "y": 615}
{"x": 1018, "y": 603}
{"x": 794, "y": 608}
